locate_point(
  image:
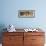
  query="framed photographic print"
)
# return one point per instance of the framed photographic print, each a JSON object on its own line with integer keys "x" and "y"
{"x": 26, "y": 13}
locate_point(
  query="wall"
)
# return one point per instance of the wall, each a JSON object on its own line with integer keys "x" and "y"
{"x": 9, "y": 13}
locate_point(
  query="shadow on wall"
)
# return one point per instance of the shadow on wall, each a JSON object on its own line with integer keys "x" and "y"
{"x": 2, "y": 26}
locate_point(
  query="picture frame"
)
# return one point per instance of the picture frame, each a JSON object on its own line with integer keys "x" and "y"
{"x": 26, "y": 13}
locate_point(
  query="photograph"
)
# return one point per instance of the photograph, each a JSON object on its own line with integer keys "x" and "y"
{"x": 26, "y": 13}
